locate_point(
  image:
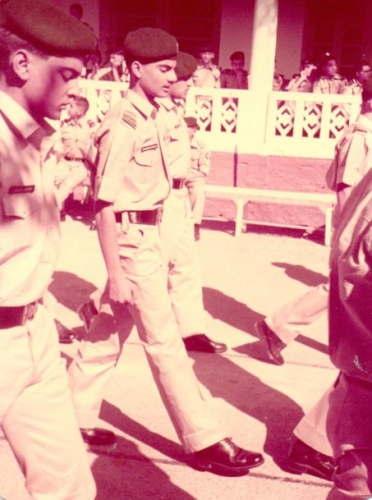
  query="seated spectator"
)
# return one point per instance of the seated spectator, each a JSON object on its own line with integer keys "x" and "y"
{"x": 74, "y": 152}
{"x": 115, "y": 71}
{"x": 362, "y": 74}
{"x": 207, "y": 74}
{"x": 303, "y": 81}
{"x": 327, "y": 80}
{"x": 237, "y": 76}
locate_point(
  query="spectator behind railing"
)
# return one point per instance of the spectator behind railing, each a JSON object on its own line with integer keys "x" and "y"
{"x": 362, "y": 73}
{"x": 115, "y": 71}
{"x": 303, "y": 81}
{"x": 207, "y": 75}
{"x": 327, "y": 80}
{"x": 235, "y": 77}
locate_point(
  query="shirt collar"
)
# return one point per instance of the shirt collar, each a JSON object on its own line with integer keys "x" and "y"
{"x": 143, "y": 106}
{"x": 167, "y": 103}
{"x": 21, "y": 119}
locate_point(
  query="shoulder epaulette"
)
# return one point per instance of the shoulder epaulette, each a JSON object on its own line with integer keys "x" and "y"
{"x": 129, "y": 118}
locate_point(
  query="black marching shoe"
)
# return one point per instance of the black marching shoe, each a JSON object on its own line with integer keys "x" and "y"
{"x": 87, "y": 312}
{"x": 201, "y": 343}
{"x": 303, "y": 459}
{"x": 98, "y": 437}
{"x": 227, "y": 459}
{"x": 273, "y": 344}
{"x": 65, "y": 335}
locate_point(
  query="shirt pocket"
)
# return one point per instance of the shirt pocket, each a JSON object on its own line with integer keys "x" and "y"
{"x": 19, "y": 205}
{"x": 147, "y": 155}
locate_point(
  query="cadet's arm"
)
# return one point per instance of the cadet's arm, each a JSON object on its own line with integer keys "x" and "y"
{"x": 120, "y": 286}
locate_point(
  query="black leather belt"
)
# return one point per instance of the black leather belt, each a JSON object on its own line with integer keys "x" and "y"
{"x": 177, "y": 183}
{"x": 11, "y": 317}
{"x": 149, "y": 217}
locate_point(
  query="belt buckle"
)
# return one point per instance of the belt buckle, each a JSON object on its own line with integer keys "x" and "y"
{"x": 29, "y": 312}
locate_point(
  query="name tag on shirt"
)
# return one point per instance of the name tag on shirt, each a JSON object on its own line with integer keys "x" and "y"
{"x": 149, "y": 147}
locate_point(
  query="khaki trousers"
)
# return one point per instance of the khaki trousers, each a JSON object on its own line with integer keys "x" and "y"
{"x": 142, "y": 260}
{"x": 350, "y": 432}
{"x": 37, "y": 415}
{"x": 196, "y": 181}
{"x": 184, "y": 276}
{"x": 287, "y": 321}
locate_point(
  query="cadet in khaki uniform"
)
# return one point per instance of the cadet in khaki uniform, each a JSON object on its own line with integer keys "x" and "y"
{"x": 352, "y": 161}
{"x": 350, "y": 344}
{"x": 207, "y": 74}
{"x": 235, "y": 77}
{"x": 197, "y": 174}
{"x": 40, "y": 59}
{"x": 133, "y": 181}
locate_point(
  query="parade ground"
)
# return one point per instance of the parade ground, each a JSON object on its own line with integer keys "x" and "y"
{"x": 258, "y": 403}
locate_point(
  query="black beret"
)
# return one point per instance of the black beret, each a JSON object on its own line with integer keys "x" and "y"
{"x": 148, "y": 45}
{"x": 47, "y": 27}
{"x": 191, "y": 121}
{"x": 186, "y": 65}
{"x": 237, "y": 55}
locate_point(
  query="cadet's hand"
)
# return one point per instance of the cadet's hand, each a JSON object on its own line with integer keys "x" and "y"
{"x": 121, "y": 289}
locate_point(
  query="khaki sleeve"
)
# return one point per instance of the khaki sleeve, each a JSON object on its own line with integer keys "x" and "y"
{"x": 204, "y": 158}
{"x": 115, "y": 151}
{"x": 353, "y": 160}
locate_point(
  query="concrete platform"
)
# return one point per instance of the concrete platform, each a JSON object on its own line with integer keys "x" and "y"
{"x": 244, "y": 279}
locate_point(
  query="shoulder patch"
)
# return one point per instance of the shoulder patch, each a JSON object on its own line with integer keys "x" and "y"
{"x": 129, "y": 118}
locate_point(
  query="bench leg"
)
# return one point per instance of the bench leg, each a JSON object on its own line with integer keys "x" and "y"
{"x": 239, "y": 217}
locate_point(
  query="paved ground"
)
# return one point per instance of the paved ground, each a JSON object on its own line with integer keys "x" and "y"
{"x": 258, "y": 403}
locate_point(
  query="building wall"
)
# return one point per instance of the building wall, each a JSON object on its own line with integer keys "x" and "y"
{"x": 90, "y": 8}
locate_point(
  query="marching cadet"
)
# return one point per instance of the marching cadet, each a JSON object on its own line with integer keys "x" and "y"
{"x": 197, "y": 174}
{"x": 41, "y": 52}
{"x": 132, "y": 183}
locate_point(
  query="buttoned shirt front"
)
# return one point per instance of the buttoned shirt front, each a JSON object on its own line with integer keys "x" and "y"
{"x": 207, "y": 76}
{"x": 76, "y": 139}
{"x": 175, "y": 137}
{"x": 29, "y": 215}
{"x": 326, "y": 85}
{"x": 131, "y": 170}
{"x": 231, "y": 79}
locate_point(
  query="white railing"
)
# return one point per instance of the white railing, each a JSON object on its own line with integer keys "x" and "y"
{"x": 298, "y": 124}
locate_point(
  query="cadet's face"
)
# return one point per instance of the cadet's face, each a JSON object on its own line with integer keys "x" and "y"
{"x": 155, "y": 79}
{"x": 330, "y": 68}
{"x": 364, "y": 74}
{"x": 49, "y": 85}
{"x": 206, "y": 57}
{"x": 180, "y": 89}
{"x": 237, "y": 65}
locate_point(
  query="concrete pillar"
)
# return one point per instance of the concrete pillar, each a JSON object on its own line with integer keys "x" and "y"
{"x": 264, "y": 36}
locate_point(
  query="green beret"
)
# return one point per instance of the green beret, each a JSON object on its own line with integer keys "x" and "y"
{"x": 191, "y": 121}
{"x": 186, "y": 65}
{"x": 148, "y": 45}
{"x": 47, "y": 27}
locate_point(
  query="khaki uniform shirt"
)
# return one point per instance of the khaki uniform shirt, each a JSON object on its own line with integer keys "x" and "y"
{"x": 207, "y": 77}
{"x": 353, "y": 155}
{"x": 76, "y": 139}
{"x": 200, "y": 157}
{"x": 350, "y": 317}
{"x": 304, "y": 86}
{"x": 131, "y": 172}
{"x": 326, "y": 86}
{"x": 231, "y": 79}
{"x": 175, "y": 137}
{"x": 29, "y": 216}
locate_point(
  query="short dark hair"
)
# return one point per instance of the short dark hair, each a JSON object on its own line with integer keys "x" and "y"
{"x": 9, "y": 42}
{"x": 360, "y": 64}
{"x": 237, "y": 55}
{"x": 78, "y": 7}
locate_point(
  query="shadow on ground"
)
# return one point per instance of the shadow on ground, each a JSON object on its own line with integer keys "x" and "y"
{"x": 302, "y": 274}
{"x": 123, "y": 472}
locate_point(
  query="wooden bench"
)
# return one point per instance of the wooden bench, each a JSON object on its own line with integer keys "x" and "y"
{"x": 241, "y": 196}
